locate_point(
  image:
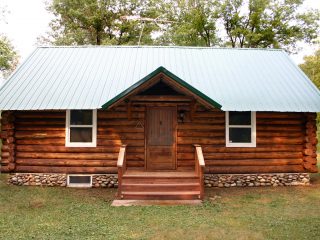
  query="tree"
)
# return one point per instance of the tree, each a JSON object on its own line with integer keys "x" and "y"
{"x": 311, "y": 67}
{"x": 98, "y": 22}
{"x": 241, "y": 23}
{"x": 235, "y": 23}
{"x": 8, "y": 57}
{"x": 268, "y": 23}
{"x": 193, "y": 23}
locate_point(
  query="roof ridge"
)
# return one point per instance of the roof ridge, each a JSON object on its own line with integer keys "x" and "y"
{"x": 149, "y": 46}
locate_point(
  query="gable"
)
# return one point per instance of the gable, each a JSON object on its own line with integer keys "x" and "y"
{"x": 160, "y": 88}
{"x": 155, "y": 78}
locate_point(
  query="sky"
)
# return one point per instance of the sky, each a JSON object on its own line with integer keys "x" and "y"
{"x": 26, "y": 20}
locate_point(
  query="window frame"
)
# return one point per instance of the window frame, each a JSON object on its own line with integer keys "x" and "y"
{"x": 80, "y": 185}
{"x": 93, "y": 126}
{"x": 253, "y": 142}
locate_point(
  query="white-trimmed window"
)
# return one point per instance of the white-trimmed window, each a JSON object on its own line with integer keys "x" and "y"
{"x": 240, "y": 129}
{"x": 79, "y": 180}
{"x": 81, "y": 128}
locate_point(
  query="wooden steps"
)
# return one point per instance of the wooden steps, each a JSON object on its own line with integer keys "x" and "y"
{"x": 177, "y": 195}
{"x": 169, "y": 187}
{"x": 127, "y": 203}
{"x": 138, "y": 185}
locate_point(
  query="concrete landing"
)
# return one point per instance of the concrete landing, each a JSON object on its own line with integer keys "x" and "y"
{"x": 127, "y": 203}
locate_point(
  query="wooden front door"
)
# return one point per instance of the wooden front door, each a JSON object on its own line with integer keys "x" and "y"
{"x": 161, "y": 138}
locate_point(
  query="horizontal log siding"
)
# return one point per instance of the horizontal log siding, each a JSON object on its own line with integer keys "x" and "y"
{"x": 310, "y": 147}
{"x": 8, "y": 149}
{"x": 281, "y": 139}
{"x": 36, "y": 142}
{"x": 40, "y": 142}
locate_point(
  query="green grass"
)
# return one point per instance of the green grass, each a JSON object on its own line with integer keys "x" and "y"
{"x": 239, "y": 213}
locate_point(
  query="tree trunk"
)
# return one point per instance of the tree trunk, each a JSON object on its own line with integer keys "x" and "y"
{"x": 98, "y": 38}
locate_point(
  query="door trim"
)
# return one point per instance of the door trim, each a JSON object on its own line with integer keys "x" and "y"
{"x": 175, "y": 135}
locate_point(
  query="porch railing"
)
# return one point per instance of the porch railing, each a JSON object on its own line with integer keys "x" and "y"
{"x": 199, "y": 167}
{"x": 122, "y": 167}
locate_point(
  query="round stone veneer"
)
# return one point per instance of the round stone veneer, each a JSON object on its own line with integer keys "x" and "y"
{"x": 256, "y": 180}
{"x": 58, "y": 179}
{"x": 210, "y": 180}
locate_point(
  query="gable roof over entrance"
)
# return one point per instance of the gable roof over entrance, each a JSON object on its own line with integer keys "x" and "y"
{"x": 89, "y": 77}
{"x": 173, "y": 78}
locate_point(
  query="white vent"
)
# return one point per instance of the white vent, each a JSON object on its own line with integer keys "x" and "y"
{"x": 76, "y": 180}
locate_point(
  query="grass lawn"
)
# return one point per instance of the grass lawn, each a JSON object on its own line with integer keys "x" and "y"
{"x": 247, "y": 213}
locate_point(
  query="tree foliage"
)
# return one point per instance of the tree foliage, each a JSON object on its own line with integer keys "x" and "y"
{"x": 311, "y": 67}
{"x": 241, "y": 23}
{"x": 235, "y": 23}
{"x": 193, "y": 23}
{"x": 268, "y": 23}
{"x": 98, "y": 22}
{"x": 8, "y": 57}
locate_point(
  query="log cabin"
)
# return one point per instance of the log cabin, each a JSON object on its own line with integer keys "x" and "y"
{"x": 158, "y": 122}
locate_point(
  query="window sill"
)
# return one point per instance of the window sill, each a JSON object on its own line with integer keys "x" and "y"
{"x": 80, "y": 145}
{"x": 241, "y": 145}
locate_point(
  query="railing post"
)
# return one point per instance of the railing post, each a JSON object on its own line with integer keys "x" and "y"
{"x": 122, "y": 166}
{"x": 199, "y": 168}
{"x": 196, "y": 162}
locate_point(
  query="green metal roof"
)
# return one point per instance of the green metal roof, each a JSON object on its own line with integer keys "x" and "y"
{"x": 169, "y": 74}
{"x": 87, "y": 77}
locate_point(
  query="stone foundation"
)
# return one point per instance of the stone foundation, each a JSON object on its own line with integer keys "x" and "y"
{"x": 211, "y": 180}
{"x": 105, "y": 180}
{"x": 38, "y": 179}
{"x": 256, "y": 180}
{"x": 57, "y": 179}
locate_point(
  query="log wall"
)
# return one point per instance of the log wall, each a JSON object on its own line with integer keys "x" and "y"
{"x": 40, "y": 142}
{"x": 286, "y": 142}
{"x": 310, "y": 147}
{"x": 8, "y": 149}
{"x": 34, "y": 141}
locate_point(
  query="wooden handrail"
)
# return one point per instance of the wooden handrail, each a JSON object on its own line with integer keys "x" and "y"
{"x": 121, "y": 157}
{"x": 199, "y": 155}
{"x": 122, "y": 167}
{"x": 199, "y": 167}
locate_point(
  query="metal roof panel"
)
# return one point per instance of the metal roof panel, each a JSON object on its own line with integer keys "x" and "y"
{"x": 87, "y": 77}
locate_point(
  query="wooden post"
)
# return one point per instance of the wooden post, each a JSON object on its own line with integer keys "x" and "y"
{"x": 310, "y": 146}
{"x": 199, "y": 168}
{"x": 121, "y": 164}
{"x": 7, "y": 135}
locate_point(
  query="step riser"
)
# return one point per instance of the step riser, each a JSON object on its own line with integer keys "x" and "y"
{"x": 151, "y": 188}
{"x": 159, "y": 180}
{"x": 160, "y": 197}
